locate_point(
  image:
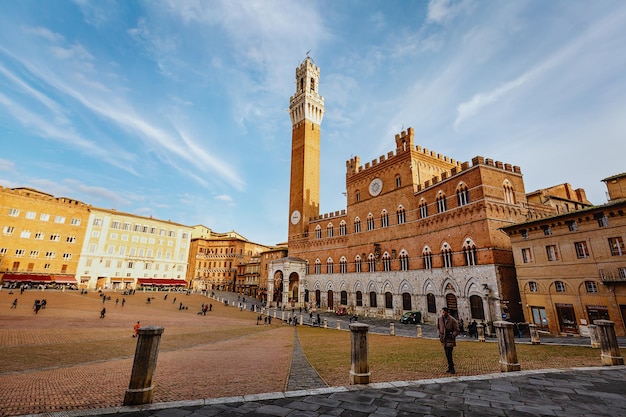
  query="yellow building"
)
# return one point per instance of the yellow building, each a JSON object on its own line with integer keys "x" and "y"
{"x": 42, "y": 237}
{"x": 571, "y": 268}
{"x": 123, "y": 250}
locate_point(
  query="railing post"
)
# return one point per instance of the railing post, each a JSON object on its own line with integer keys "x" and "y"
{"x": 359, "y": 367}
{"x": 480, "y": 329}
{"x": 325, "y": 323}
{"x": 506, "y": 346}
{"x": 392, "y": 329}
{"x": 608, "y": 343}
{"x": 338, "y": 325}
{"x": 419, "y": 330}
{"x": 141, "y": 390}
{"x": 534, "y": 334}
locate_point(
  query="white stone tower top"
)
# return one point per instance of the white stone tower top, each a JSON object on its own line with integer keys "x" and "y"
{"x": 306, "y": 103}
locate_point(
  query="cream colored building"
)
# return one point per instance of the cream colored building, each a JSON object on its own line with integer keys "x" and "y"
{"x": 41, "y": 238}
{"x": 123, "y": 250}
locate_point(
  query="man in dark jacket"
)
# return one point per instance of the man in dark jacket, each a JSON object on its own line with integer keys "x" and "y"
{"x": 448, "y": 329}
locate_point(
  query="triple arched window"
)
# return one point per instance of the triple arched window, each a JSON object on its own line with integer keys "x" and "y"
{"x": 509, "y": 193}
{"x": 462, "y": 194}
{"x": 442, "y": 205}
{"x": 401, "y": 213}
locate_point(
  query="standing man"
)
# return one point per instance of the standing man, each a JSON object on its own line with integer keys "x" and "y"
{"x": 448, "y": 329}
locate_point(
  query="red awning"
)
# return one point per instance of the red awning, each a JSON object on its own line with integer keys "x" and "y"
{"x": 26, "y": 278}
{"x": 156, "y": 281}
{"x": 64, "y": 279}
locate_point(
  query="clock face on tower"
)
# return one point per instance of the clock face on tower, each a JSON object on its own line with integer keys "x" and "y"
{"x": 376, "y": 186}
{"x": 295, "y": 217}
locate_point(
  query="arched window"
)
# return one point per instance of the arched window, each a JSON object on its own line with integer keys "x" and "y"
{"x": 344, "y": 297}
{"x": 386, "y": 262}
{"x": 357, "y": 225}
{"x": 446, "y": 255}
{"x": 469, "y": 250}
{"x": 430, "y": 300}
{"x": 359, "y": 299}
{"x": 442, "y": 205}
{"x": 388, "y": 300}
{"x": 306, "y": 267}
{"x": 358, "y": 196}
{"x": 532, "y": 286}
{"x": 330, "y": 265}
{"x": 358, "y": 264}
{"x": 329, "y": 230}
{"x": 318, "y": 266}
{"x": 559, "y": 286}
{"x": 476, "y": 307}
{"x": 401, "y": 213}
{"x": 318, "y": 232}
{"x": 427, "y": 256}
{"x": 370, "y": 222}
{"x": 384, "y": 219}
{"x": 373, "y": 302}
{"x": 404, "y": 261}
{"x": 398, "y": 181}
{"x": 371, "y": 263}
{"x": 342, "y": 228}
{"x": 312, "y": 84}
{"x": 423, "y": 209}
{"x": 509, "y": 193}
{"x": 406, "y": 301}
{"x": 462, "y": 194}
{"x": 343, "y": 265}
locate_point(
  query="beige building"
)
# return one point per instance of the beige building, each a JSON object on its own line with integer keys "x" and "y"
{"x": 123, "y": 250}
{"x": 420, "y": 231}
{"x": 42, "y": 237}
{"x": 571, "y": 268}
{"x": 214, "y": 259}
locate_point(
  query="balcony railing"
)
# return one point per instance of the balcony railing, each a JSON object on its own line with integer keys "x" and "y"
{"x": 612, "y": 275}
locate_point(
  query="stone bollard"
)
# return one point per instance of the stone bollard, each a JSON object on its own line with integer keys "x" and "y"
{"x": 480, "y": 329}
{"x": 392, "y": 329}
{"x": 419, "y": 330}
{"x": 338, "y": 325}
{"x": 300, "y": 319}
{"x": 593, "y": 335}
{"x": 506, "y": 346}
{"x": 275, "y": 314}
{"x": 534, "y": 334}
{"x": 325, "y": 323}
{"x": 140, "y": 389}
{"x": 608, "y": 343}
{"x": 359, "y": 368}
{"x": 282, "y": 316}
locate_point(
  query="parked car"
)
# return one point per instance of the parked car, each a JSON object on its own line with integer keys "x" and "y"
{"x": 411, "y": 317}
{"x": 341, "y": 311}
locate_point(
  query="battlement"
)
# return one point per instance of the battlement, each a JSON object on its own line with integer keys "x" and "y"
{"x": 328, "y": 216}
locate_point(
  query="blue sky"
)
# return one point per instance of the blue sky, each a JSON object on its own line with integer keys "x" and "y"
{"x": 178, "y": 109}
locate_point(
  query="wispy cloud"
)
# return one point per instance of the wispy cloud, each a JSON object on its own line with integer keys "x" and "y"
{"x": 6, "y": 165}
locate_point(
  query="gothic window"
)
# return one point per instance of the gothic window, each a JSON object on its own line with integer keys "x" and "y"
{"x": 386, "y": 262}
{"x": 371, "y": 263}
{"x": 406, "y": 301}
{"x": 430, "y": 300}
{"x": 401, "y": 215}
{"x": 370, "y": 222}
{"x": 446, "y": 255}
{"x": 427, "y": 255}
{"x": 423, "y": 209}
{"x": 373, "y": 302}
{"x": 343, "y": 265}
{"x": 359, "y": 299}
{"x": 388, "y": 300}
{"x": 509, "y": 194}
{"x": 318, "y": 266}
{"x": 342, "y": 228}
{"x": 358, "y": 196}
{"x": 329, "y": 230}
{"x": 398, "y": 181}
{"x": 358, "y": 264}
{"x": 404, "y": 261}
{"x": 384, "y": 219}
{"x": 462, "y": 194}
{"x": 441, "y": 203}
{"x": 469, "y": 250}
{"x": 344, "y": 297}
{"x": 357, "y": 225}
{"x": 318, "y": 232}
{"x": 330, "y": 266}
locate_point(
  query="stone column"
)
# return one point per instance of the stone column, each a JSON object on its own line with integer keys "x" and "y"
{"x": 359, "y": 368}
{"x": 534, "y": 334}
{"x": 593, "y": 335}
{"x": 419, "y": 330}
{"x": 140, "y": 389}
{"x": 608, "y": 343}
{"x": 506, "y": 345}
{"x": 325, "y": 323}
{"x": 392, "y": 329}
{"x": 300, "y": 319}
{"x": 480, "y": 329}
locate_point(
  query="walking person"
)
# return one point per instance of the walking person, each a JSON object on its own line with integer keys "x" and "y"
{"x": 14, "y": 304}
{"x": 448, "y": 329}
{"x": 103, "y": 312}
{"x": 136, "y": 329}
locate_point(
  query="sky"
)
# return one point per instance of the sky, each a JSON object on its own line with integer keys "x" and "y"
{"x": 179, "y": 109}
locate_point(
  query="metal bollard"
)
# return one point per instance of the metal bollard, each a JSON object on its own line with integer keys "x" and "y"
{"x": 506, "y": 346}
{"x": 359, "y": 367}
{"x": 608, "y": 343}
{"x": 140, "y": 388}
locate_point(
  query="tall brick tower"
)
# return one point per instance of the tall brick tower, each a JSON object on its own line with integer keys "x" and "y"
{"x": 306, "y": 108}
